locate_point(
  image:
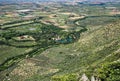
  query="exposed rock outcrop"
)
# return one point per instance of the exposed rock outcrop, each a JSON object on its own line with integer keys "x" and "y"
{"x": 85, "y": 78}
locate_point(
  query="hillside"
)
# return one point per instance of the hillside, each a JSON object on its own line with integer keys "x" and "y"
{"x": 96, "y": 47}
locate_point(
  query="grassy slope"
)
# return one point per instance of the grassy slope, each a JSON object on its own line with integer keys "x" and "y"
{"x": 94, "y": 48}
{"x": 9, "y": 51}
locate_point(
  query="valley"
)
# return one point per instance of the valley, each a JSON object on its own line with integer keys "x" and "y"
{"x": 55, "y": 41}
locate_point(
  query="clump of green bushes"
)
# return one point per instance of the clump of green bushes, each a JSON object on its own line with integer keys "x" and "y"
{"x": 110, "y": 71}
{"x": 67, "y": 77}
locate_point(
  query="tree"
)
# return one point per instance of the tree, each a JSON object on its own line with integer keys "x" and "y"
{"x": 110, "y": 71}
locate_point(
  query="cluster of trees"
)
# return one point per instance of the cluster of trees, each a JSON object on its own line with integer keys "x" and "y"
{"x": 110, "y": 71}
{"x": 8, "y": 34}
{"x": 20, "y": 21}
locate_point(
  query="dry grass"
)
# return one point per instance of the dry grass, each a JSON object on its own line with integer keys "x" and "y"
{"x": 75, "y": 18}
{"x": 114, "y": 13}
{"x": 28, "y": 67}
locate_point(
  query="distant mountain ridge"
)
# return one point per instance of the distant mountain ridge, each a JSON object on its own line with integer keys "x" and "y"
{"x": 56, "y": 0}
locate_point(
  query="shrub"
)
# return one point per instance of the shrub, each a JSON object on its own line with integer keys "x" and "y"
{"x": 110, "y": 71}
{"x": 67, "y": 77}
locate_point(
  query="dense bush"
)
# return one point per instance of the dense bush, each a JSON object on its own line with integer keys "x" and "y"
{"x": 110, "y": 71}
